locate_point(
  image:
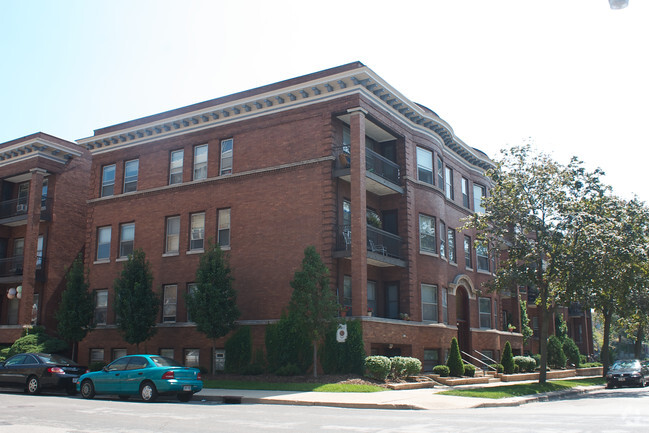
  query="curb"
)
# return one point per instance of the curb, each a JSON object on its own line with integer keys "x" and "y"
{"x": 548, "y": 396}
{"x": 238, "y": 399}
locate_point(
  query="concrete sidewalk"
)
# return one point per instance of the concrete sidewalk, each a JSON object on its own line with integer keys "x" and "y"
{"x": 415, "y": 399}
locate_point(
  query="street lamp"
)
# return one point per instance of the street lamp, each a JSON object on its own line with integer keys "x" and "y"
{"x": 618, "y": 4}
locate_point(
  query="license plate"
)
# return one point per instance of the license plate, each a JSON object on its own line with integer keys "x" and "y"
{"x": 187, "y": 388}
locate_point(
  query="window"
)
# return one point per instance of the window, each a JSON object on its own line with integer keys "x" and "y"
{"x": 44, "y": 194}
{"x": 450, "y": 194}
{"x": 479, "y": 192}
{"x": 445, "y": 306}
{"x": 126, "y": 236}
{"x": 371, "y": 297}
{"x": 131, "y": 169}
{"x": 347, "y": 139}
{"x": 465, "y": 192}
{"x": 450, "y": 235}
{"x": 108, "y": 180}
{"x": 103, "y": 243}
{"x": 429, "y": 302}
{"x": 440, "y": 173}
{"x": 483, "y": 257}
{"x": 427, "y": 241}
{"x": 191, "y": 288}
{"x": 36, "y": 308}
{"x": 101, "y": 306}
{"x": 496, "y": 313}
{"x": 12, "y": 311}
{"x": 118, "y": 353}
{"x": 96, "y": 355}
{"x": 192, "y": 358}
{"x": 167, "y": 353}
{"x": 197, "y": 232}
{"x": 425, "y": 165}
{"x": 347, "y": 293}
{"x": 226, "y": 156}
{"x": 224, "y": 228}
{"x": 485, "y": 312}
{"x": 170, "y": 301}
{"x": 442, "y": 239}
{"x": 431, "y": 359}
{"x": 176, "y": 166}
{"x": 39, "y": 252}
{"x": 173, "y": 235}
{"x": 200, "y": 162}
{"x": 467, "y": 252}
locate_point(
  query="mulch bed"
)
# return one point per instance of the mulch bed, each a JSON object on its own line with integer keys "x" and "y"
{"x": 322, "y": 378}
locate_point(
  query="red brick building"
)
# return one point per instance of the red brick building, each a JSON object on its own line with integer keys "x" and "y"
{"x": 43, "y": 182}
{"x": 337, "y": 159}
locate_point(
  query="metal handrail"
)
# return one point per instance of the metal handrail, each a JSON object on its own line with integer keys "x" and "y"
{"x": 479, "y": 360}
{"x": 493, "y": 361}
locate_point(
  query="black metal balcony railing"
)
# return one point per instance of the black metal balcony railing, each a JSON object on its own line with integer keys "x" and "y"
{"x": 378, "y": 241}
{"x": 11, "y": 266}
{"x": 19, "y": 207}
{"x": 374, "y": 163}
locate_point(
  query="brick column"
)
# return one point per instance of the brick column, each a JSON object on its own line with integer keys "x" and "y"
{"x": 31, "y": 245}
{"x": 358, "y": 210}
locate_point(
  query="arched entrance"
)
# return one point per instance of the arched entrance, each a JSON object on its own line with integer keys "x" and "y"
{"x": 462, "y": 314}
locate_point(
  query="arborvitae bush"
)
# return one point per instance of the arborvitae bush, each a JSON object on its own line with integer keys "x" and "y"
{"x": 287, "y": 344}
{"x": 239, "y": 350}
{"x": 454, "y": 362}
{"x": 288, "y": 370}
{"x": 571, "y": 351}
{"x": 378, "y": 367}
{"x": 507, "y": 359}
{"x": 469, "y": 370}
{"x": 347, "y": 357}
{"x": 442, "y": 370}
{"x": 556, "y": 357}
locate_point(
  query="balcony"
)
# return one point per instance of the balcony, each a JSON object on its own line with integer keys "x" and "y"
{"x": 383, "y": 248}
{"x": 14, "y": 212}
{"x": 383, "y": 176}
{"x": 11, "y": 269}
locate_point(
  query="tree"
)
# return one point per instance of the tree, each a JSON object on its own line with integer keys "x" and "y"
{"x": 507, "y": 359}
{"x": 74, "y": 316}
{"x": 312, "y": 303}
{"x": 526, "y": 330}
{"x": 525, "y": 217}
{"x": 136, "y": 305}
{"x": 213, "y": 304}
{"x": 454, "y": 361}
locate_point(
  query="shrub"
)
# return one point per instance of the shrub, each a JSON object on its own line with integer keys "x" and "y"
{"x": 571, "y": 351}
{"x": 497, "y": 367}
{"x": 556, "y": 357}
{"x": 454, "y": 362}
{"x": 288, "y": 370}
{"x": 402, "y": 366}
{"x": 239, "y": 350}
{"x": 590, "y": 364}
{"x": 526, "y": 364}
{"x": 507, "y": 359}
{"x": 36, "y": 341}
{"x": 378, "y": 367}
{"x": 516, "y": 368}
{"x": 413, "y": 366}
{"x": 347, "y": 357}
{"x": 537, "y": 359}
{"x": 442, "y": 370}
{"x": 252, "y": 369}
{"x": 469, "y": 370}
{"x": 583, "y": 359}
{"x": 286, "y": 344}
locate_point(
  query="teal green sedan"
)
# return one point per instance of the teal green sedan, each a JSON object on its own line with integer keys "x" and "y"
{"x": 145, "y": 375}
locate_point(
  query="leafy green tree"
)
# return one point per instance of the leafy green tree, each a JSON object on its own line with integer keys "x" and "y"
{"x": 213, "y": 305}
{"x": 560, "y": 327}
{"x": 507, "y": 359}
{"x": 525, "y": 216}
{"x": 312, "y": 303}
{"x": 526, "y": 330}
{"x": 136, "y": 305}
{"x": 454, "y": 361}
{"x": 76, "y": 310}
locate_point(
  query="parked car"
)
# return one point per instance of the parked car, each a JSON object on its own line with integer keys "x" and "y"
{"x": 145, "y": 375}
{"x": 627, "y": 372}
{"x": 34, "y": 372}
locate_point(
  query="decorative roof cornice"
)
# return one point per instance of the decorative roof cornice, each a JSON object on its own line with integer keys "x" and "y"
{"x": 37, "y": 146}
{"x": 306, "y": 90}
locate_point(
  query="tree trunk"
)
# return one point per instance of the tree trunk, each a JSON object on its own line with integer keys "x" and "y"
{"x": 638, "y": 342}
{"x": 213, "y": 368}
{"x": 315, "y": 358}
{"x": 543, "y": 342}
{"x": 607, "y": 331}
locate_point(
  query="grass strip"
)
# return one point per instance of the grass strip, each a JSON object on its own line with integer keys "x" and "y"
{"x": 521, "y": 389}
{"x": 290, "y": 386}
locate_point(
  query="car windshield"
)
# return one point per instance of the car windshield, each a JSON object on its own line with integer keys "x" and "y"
{"x": 625, "y": 365}
{"x": 161, "y": 361}
{"x": 55, "y": 359}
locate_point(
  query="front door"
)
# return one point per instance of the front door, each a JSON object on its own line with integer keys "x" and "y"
{"x": 463, "y": 325}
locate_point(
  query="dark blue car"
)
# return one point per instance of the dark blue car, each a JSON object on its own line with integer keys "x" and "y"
{"x": 34, "y": 372}
{"x": 145, "y": 375}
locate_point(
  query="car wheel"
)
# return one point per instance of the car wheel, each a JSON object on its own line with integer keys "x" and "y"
{"x": 148, "y": 392}
{"x": 87, "y": 389}
{"x": 33, "y": 385}
{"x": 185, "y": 396}
{"x": 124, "y": 397}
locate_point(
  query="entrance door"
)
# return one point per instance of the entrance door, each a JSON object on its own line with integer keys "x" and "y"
{"x": 462, "y": 314}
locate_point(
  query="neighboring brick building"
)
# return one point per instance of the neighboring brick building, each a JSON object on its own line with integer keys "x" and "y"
{"x": 43, "y": 182}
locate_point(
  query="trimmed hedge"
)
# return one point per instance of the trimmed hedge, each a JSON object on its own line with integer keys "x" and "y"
{"x": 347, "y": 357}
{"x": 497, "y": 367}
{"x": 286, "y": 343}
{"x": 526, "y": 364}
{"x": 402, "y": 366}
{"x": 442, "y": 370}
{"x": 239, "y": 350}
{"x": 378, "y": 367}
{"x": 469, "y": 370}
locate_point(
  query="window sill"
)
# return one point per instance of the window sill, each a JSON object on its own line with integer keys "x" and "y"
{"x": 121, "y": 259}
{"x": 428, "y": 253}
{"x": 201, "y": 251}
{"x": 481, "y": 271}
{"x": 100, "y": 262}
{"x": 171, "y": 254}
{"x": 225, "y": 248}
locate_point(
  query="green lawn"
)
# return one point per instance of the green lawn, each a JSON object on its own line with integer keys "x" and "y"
{"x": 289, "y": 386}
{"x": 518, "y": 390}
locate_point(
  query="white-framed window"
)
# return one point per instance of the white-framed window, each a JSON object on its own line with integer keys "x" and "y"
{"x": 119, "y": 353}
{"x": 176, "y": 166}
{"x": 479, "y": 192}
{"x": 172, "y": 243}
{"x": 427, "y": 240}
{"x": 442, "y": 239}
{"x": 226, "y": 156}
{"x": 465, "y": 192}
{"x": 197, "y": 232}
{"x": 167, "y": 353}
{"x": 192, "y": 358}
{"x": 200, "y": 162}
{"x": 101, "y": 306}
{"x": 96, "y": 355}
{"x": 169, "y": 303}
{"x": 450, "y": 237}
{"x": 467, "y": 252}
{"x": 347, "y": 293}
{"x": 224, "y": 228}
{"x": 448, "y": 188}
{"x": 131, "y": 170}
{"x": 191, "y": 288}
{"x": 103, "y": 243}
{"x": 126, "y": 239}
{"x": 429, "y": 302}
{"x": 371, "y": 297}
{"x": 482, "y": 256}
{"x": 425, "y": 165}
{"x": 440, "y": 173}
{"x": 485, "y": 312}
{"x": 108, "y": 180}
{"x": 445, "y": 305}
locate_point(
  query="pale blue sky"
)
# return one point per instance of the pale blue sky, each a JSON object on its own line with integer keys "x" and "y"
{"x": 572, "y": 76}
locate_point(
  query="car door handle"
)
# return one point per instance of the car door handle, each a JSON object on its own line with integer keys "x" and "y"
{"x": 139, "y": 374}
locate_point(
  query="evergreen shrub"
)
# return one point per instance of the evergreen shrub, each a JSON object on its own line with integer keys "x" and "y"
{"x": 507, "y": 359}
{"x": 454, "y": 362}
{"x": 526, "y": 364}
{"x": 288, "y": 370}
{"x": 556, "y": 357}
{"x": 497, "y": 367}
{"x": 378, "y": 367}
{"x": 571, "y": 351}
{"x": 286, "y": 343}
{"x": 343, "y": 358}
{"x": 469, "y": 370}
{"x": 442, "y": 370}
{"x": 239, "y": 350}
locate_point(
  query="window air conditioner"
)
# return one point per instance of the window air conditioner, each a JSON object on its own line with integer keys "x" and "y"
{"x": 21, "y": 208}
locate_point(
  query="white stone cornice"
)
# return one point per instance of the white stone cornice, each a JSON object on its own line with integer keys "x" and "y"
{"x": 37, "y": 147}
